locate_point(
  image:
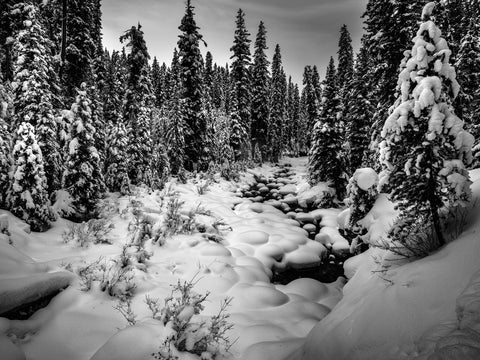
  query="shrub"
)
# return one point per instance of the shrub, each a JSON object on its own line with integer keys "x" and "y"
{"x": 93, "y": 231}
{"x": 206, "y": 338}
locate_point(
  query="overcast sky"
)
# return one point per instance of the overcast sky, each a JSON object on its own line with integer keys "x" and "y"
{"x": 307, "y": 30}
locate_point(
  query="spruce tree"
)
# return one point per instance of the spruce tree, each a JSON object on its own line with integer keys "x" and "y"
{"x": 278, "y": 97}
{"x": 467, "y": 103}
{"x": 424, "y": 148}
{"x": 325, "y": 162}
{"x": 358, "y": 114}
{"x": 241, "y": 87}
{"x": 5, "y": 143}
{"x": 260, "y": 93}
{"x": 137, "y": 110}
{"x": 192, "y": 92}
{"x": 315, "y": 78}
{"x": 345, "y": 58}
{"x": 310, "y": 103}
{"x": 28, "y": 197}
{"x": 83, "y": 177}
{"x": 33, "y": 83}
{"x": 81, "y": 45}
{"x": 386, "y": 37}
{"x": 6, "y": 33}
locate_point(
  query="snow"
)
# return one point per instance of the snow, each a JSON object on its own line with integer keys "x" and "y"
{"x": 395, "y": 309}
{"x": 240, "y": 266}
{"x": 366, "y": 178}
{"x": 411, "y": 310}
{"x": 427, "y": 10}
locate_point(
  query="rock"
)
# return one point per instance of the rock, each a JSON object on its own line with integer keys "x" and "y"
{"x": 258, "y": 199}
{"x": 288, "y": 189}
{"x": 248, "y": 194}
{"x": 285, "y": 181}
{"x": 260, "y": 185}
{"x": 285, "y": 208}
{"x": 310, "y": 228}
{"x": 276, "y": 204}
{"x": 263, "y": 190}
{"x": 17, "y": 292}
{"x": 290, "y": 200}
{"x": 292, "y": 215}
{"x": 273, "y": 185}
{"x": 299, "y": 210}
{"x": 305, "y": 218}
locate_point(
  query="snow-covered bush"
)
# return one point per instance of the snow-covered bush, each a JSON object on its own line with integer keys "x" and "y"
{"x": 94, "y": 231}
{"x": 425, "y": 148}
{"x": 362, "y": 193}
{"x": 205, "y": 337}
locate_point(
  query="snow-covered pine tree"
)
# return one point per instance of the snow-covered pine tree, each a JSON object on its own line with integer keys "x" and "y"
{"x": 83, "y": 177}
{"x": 389, "y": 27}
{"x": 28, "y": 198}
{"x": 425, "y": 148}
{"x": 357, "y": 117}
{"x": 192, "y": 92}
{"x": 174, "y": 135}
{"x": 33, "y": 83}
{"x": 137, "y": 110}
{"x": 325, "y": 162}
{"x": 81, "y": 45}
{"x": 467, "y": 103}
{"x": 310, "y": 104}
{"x": 345, "y": 58}
{"x": 5, "y": 142}
{"x": 116, "y": 178}
{"x": 6, "y": 35}
{"x": 208, "y": 78}
{"x": 260, "y": 93}
{"x": 278, "y": 97}
{"x": 241, "y": 87}
{"x": 316, "y": 84}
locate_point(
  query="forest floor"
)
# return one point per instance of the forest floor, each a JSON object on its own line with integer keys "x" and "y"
{"x": 231, "y": 252}
{"x": 223, "y": 239}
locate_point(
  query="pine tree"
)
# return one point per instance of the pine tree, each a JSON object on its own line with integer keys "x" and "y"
{"x": 209, "y": 77}
{"x": 6, "y": 34}
{"x": 315, "y": 78}
{"x": 28, "y": 198}
{"x": 467, "y": 103}
{"x": 260, "y": 93}
{"x": 5, "y": 143}
{"x": 424, "y": 147}
{"x": 137, "y": 111}
{"x": 191, "y": 75}
{"x": 310, "y": 103}
{"x": 345, "y": 58}
{"x": 83, "y": 177}
{"x": 116, "y": 178}
{"x": 241, "y": 86}
{"x": 358, "y": 114}
{"x": 385, "y": 39}
{"x": 34, "y": 79}
{"x": 325, "y": 162}
{"x": 278, "y": 96}
{"x": 81, "y": 45}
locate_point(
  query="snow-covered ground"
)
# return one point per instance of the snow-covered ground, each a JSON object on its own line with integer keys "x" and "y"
{"x": 397, "y": 314}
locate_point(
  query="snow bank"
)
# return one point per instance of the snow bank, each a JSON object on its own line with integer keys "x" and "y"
{"x": 428, "y": 307}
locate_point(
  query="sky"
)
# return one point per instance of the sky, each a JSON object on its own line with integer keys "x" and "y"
{"x": 306, "y": 30}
